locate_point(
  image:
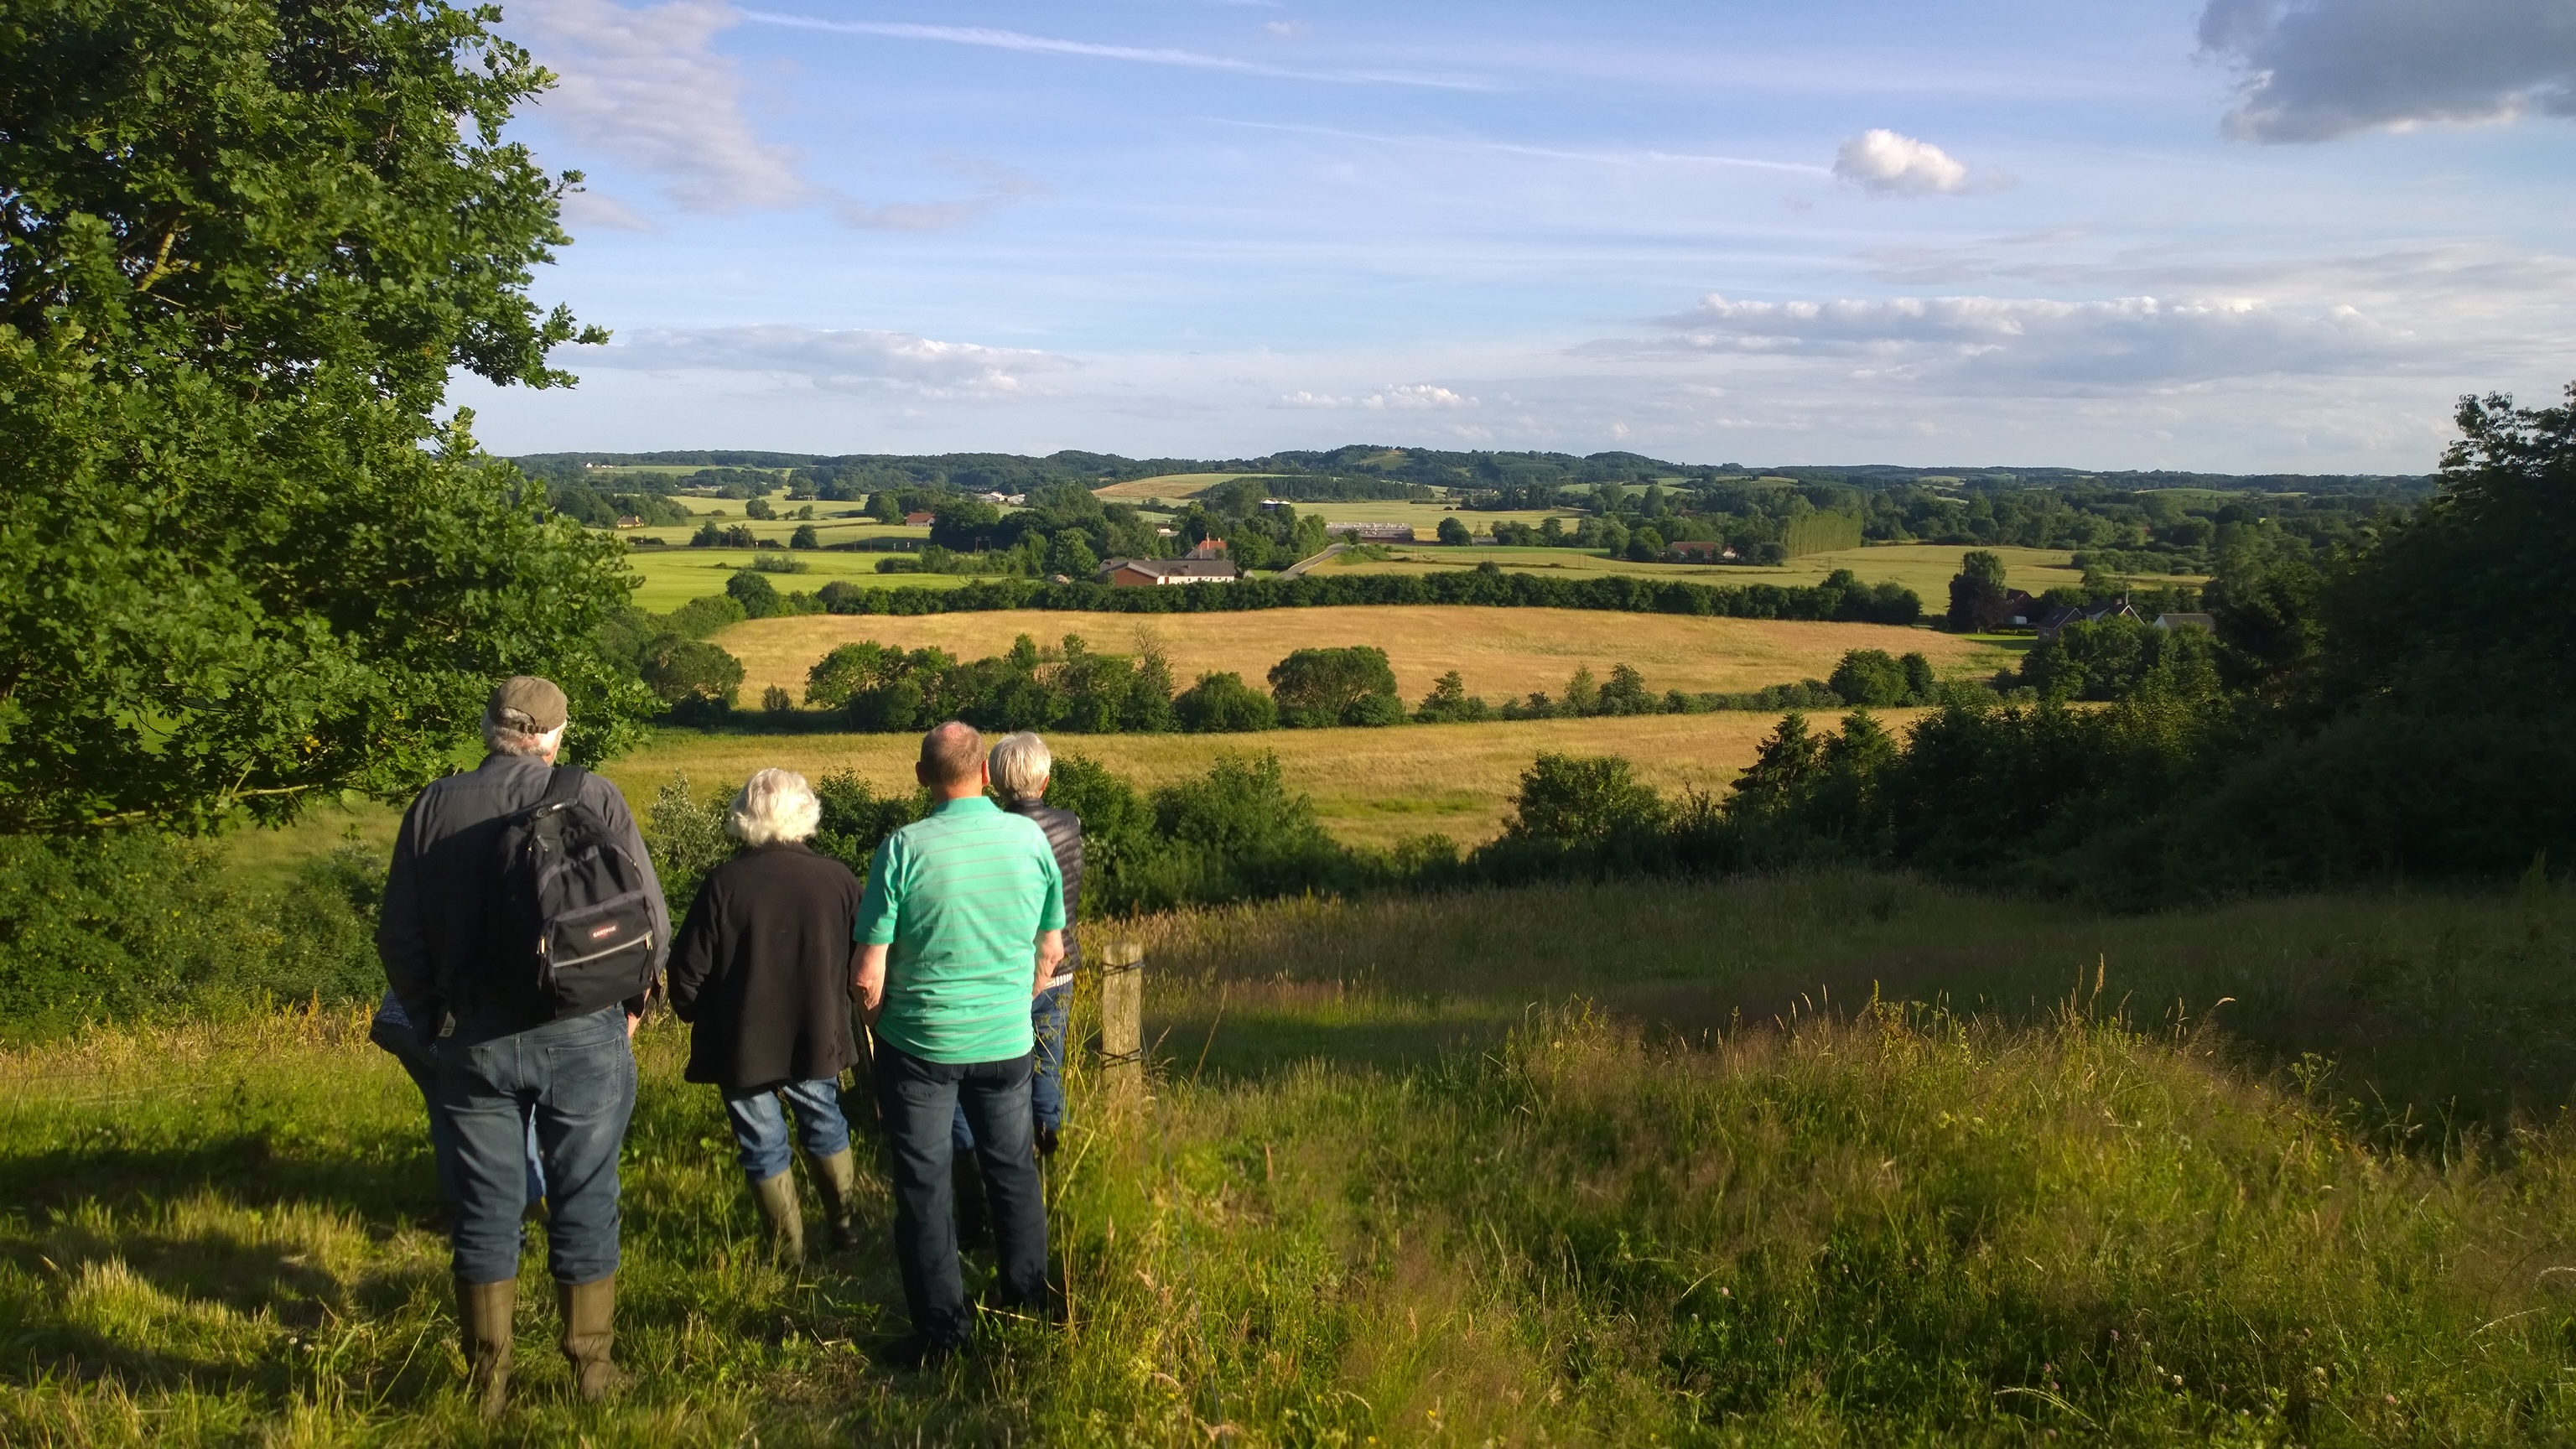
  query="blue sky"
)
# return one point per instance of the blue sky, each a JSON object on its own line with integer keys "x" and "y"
{"x": 2222, "y": 234}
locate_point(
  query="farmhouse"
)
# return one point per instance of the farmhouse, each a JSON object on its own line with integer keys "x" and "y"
{"x": 1137, "y": 573}
{"x": 2171, "y": 622}
{"x": 2019, "y": 606}
{"x": 1371, "y": 532}
{"x": 1698, "y": 550}
{"x": 2058, "y": 618}
{"x": 919, "y": 518}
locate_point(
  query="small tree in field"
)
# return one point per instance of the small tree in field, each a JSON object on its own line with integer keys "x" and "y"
{"x": 1453, "y": 532}
{"x": 1319, "y": 688}
{"x": 1224, "y": 704}
{"x": 1977, "y": 593}
{"x": 1581, "y": 799}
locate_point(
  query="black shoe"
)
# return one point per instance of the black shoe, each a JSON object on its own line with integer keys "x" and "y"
{"x": 1046, "y": 1141}
{"x": 915, "y": 1353}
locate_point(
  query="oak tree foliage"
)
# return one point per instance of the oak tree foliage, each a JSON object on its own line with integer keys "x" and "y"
{"x": 243, "y": 245}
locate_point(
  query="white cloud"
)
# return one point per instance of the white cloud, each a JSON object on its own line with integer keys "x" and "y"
{"x": 2319, "y": 69}
{"x": 588, "y": 210}
{"x": 2045, "y": 343}
{"x": 646, "y": 88}
{"x": 830, "y": 358}
{"x": 1402, "y": 397}
{"x": 1285, "y": 29}
{"x": 1883, "y": 161}
{"x": 1026, "y": 43}
{"x": 1000, "y": 185}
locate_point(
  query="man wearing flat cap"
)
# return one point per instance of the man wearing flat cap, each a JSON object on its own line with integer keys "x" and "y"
{"x": 505, "y": 1052}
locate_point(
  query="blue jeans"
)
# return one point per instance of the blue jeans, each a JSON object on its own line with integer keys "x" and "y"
{"x": 574, "y": 1080}
{"x": 1046, "y": 1078}
{"x": 442, "y": 1134}
{"x": 760, "y": 1125}
{"x": 919, "y": 1101}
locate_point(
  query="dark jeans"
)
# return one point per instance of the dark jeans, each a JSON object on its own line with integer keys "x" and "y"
{"x": 576, "y": 1078}
{"x": 1046, "y": 1077}
{"x": 919, "y": 1101}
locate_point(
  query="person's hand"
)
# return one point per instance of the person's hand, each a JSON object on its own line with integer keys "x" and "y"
{"x": 633, "y": 1020}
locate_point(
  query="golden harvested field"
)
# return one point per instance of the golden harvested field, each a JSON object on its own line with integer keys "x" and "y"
{"x": 1501, "y": 652}
{"x": 1925, "y": 568}
{"x": 1166, "y": 485}
{"x": 1371, "y": 787}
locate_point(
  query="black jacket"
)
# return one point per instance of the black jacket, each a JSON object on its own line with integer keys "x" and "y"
{"x": 1064, "y": 835}
{"x": 761, "y": 971}
{"x": 434, "y": 917}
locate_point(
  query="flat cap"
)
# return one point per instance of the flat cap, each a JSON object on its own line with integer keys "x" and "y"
{"x": 527, "y": 704}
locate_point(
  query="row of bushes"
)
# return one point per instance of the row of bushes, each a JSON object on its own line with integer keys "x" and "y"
{"x": 1841, "y": 597}
{"x": 1070, "y": 688}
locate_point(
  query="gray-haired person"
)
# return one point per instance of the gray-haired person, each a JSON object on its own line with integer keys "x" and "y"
{"x": 503, "y": 1056}
{"x": 761, "y": 974}
{"x": 1020, "y": 766}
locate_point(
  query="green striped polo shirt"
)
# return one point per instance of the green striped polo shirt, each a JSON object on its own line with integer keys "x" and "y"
{"x": 960, "y": 897}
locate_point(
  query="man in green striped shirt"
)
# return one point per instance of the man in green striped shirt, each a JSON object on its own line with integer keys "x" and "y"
{"x": 962, "y": 922}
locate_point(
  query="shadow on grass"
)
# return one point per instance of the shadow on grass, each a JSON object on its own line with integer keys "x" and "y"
{"x": 383, "y": 1180}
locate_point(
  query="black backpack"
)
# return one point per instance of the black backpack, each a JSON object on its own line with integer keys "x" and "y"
{"x": 574, "y": 909}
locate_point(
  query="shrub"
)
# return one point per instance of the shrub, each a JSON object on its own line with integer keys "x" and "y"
{"x": 1224, "y": 704}
{"x": 685, "y": 834}
{"x": 1870, "y": 677}
{"x": 779, "y": 563}
{"x": 691, "y": 672}
{"x": 699, "y": 618}
{"x": 757, "y": 595}
{"x": 1450, "y": 703}
{"x": 134, "y": 924}
{"x": 1319, "y": 688}
{"x": 1453, "y": 532}
{"x": 805, "y": 536}
{"x": 1581, "y": 799}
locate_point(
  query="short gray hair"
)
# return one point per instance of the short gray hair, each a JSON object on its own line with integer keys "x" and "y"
{"x": 1020, "y": 765}
{"x": 773, "y": 805}
{"x": 500, "y": 739}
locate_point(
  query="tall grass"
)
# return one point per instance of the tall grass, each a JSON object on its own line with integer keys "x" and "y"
{"x": 1394, "y": 1183}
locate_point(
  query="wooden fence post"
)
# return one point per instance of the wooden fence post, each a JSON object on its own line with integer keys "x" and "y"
{"x": 1122, "y": 1016}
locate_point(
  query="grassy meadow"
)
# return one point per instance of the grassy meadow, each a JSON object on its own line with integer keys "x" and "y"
{"x": 1501, "y": 653}
{"x": 1629, "y": 1163}
{"x": 669, "y": 577}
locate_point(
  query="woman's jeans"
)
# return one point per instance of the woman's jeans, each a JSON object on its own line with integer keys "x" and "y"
{"x": 760, "y": 1125}
{"x": 919, "y": 1100}
{"x": 574, "y": 1080}
{"x": 1047, "y": 1012}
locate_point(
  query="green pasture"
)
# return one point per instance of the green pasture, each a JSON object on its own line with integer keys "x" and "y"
{"x": 673, "y": 576}
{"x": 1824, "y": 1160}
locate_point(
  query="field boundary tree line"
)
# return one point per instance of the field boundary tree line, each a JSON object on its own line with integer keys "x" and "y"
{"x": 1840, "y": 598}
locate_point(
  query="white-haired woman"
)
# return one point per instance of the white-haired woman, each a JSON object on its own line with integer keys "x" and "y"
{"x": 760, "y": 971}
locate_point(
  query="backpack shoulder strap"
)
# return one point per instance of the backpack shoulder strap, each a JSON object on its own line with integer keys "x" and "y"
{"x": 563, "y": 787}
